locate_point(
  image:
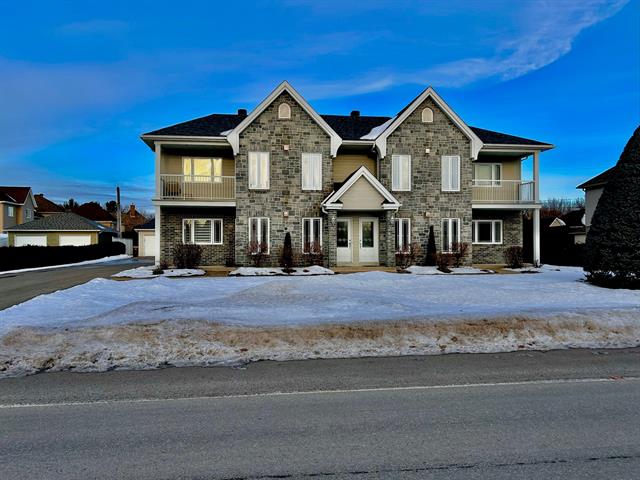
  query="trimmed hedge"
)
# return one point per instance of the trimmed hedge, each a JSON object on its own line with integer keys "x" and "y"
{"x": 15, "y": 258}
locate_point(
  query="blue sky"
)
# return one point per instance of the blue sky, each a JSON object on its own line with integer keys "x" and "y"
{"x": 81, "y": 80}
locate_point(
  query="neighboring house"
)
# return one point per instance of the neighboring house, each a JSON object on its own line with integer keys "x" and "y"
{"x": 131, "y": 219}
{"x": 147, "y": 239}
{"x": 46, "y": 207}
{"x": 59, "y": 230}
{"x": 572, "y": 224}
{"x": 593, "y": 189}
{"x": 93, "y": 211}
{"x": 563, "y": 238}
{"x": 361, "y": 187}
{"x": 17, "y": 206}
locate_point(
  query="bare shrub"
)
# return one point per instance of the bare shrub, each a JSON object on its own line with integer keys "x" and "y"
{"x": 313, "y": 254}
{"x": 187, "y": 255}
{"x": 408, "y": 256}
{"x": 443, "y": 261}
{"x": 258, "y": 253}
{"x": 513, "y": 257}
{"x": 458, "y": 252}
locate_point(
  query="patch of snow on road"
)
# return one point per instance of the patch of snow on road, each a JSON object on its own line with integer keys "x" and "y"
{"x": 107, "y": 324}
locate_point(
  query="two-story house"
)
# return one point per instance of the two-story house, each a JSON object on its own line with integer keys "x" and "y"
{"x": 17, "y": 206}
{"x": 360, "y": 187}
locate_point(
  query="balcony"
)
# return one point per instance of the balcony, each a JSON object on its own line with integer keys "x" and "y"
{"x": 197, "y": 187}
{"x": 503, "y": 191}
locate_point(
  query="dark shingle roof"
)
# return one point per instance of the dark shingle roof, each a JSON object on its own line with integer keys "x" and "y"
{"x": 351, "y": 127}
{"x": 44, "y": 205}
{"x": 60, "y": 221}
{"x": 14, "y": 194}
{"x": 599, "y": 180}
{"x": 210, "y": 126}
{"x": 93, "y": 211}
{"x": 150, "y": 225}
{"x": 489, "y": 136}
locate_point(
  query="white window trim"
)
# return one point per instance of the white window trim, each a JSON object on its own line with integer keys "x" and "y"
{"x": 268, "y": 170}
{"x": 11, "y": 211}
{"x": 450, "y": 243}
{"x": 311, "y": 236}
{"x": 395, "y": 158}
{"x": 286, "y": 116}
{"x": 397, "y": 223}
{"x": 315, "y": 188}
{"x": 449, "y": 187}
{"x": 212, "y": 220}
{"x": 486, "y": 182}
{"x": 261, "y": 219}
{"x": 493, "y": 223}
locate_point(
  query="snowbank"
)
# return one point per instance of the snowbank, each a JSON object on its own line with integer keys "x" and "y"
{"x": 147, "y": 272}
{"x": 86, "y": 262}
{"x": 277, "y": 271}
{"x": 105, "y": 324}
{"x": 418, "y": 270}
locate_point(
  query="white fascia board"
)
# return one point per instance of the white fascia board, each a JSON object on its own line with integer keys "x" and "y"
{"x": 506, "y": 206}
{"x": 362, "y": 172}
{"x": 190, "y": 203}
{"x": 476, "y": 143}
{"x": 528, "y": 149}
{"x": 234, "y": 136}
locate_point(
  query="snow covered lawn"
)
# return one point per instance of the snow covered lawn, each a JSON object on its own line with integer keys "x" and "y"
{"x": 147, "y": 272}
{"x": 106, "y": 324}
{"x": 276, "y": 271}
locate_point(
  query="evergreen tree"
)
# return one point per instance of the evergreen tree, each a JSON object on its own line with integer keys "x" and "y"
{"x": 287, "y": 254}
{"x": 431, "y": 258}
{"x": 613, "y": 240}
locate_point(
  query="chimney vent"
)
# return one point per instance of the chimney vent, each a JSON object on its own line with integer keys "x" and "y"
{"x": 242, "y": 112}
{"x": 355, "y": 113}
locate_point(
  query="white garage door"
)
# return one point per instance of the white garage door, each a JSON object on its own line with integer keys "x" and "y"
{"x": 22, "y": 240}
{"x": 149, "y": 246}
{"x": 75, "y": 240}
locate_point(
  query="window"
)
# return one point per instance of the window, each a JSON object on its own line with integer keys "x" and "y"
{"x": 311, "y": 234}
{"x": 284, "y": 111}
{"x": 487, "y": 231}
{"x": 11, "y": 211}
{"x": 427, "y": 115}
{"x": 27, "y": 213}
{"x": 259, "y": 170}
{"x": 487, "y": 174}
{"x": 450, "y": 233}
{"x": 451, "y": 173}
{"x": 401, "y": 172}
{"x": 311, "y": 171}
{"x": 202, "y": 231}
{"x": 403, "y": 234}
{"x": 259, "y": 233}
{"x": 202, "y": 169}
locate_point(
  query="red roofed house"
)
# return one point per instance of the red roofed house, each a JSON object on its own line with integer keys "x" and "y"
{"x": 46, "y": 207}
{"x": 93, "y": 211}
{"x": 17, "y": 206}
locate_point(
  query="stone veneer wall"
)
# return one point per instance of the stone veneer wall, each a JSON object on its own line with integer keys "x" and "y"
{"x": 171, "y": 232}
{"x": 511, "y": 235}
{"x": 267, "y": 133}
{"x": 426, "y": 204}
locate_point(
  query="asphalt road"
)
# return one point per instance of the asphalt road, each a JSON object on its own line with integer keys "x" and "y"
{"x": 19, "y": 287}
{"x": 570, "y": 414}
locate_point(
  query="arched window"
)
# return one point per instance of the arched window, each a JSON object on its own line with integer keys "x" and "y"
{"x": 427, "y": 115}
{"x": 284, "y": 110}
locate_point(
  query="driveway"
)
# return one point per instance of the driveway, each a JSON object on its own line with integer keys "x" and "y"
{"x": 19, "y": 287}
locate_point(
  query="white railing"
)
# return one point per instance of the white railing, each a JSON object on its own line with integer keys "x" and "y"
{"x": 197, "y": 187}
{"x": 502, "y": 191}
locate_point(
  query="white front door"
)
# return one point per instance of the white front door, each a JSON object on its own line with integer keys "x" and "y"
{"x": 343, "y": 240}
{"x": 368, "y": 240}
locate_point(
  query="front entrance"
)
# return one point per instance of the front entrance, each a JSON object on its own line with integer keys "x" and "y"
{"x": 357, "y": 240}
{"x": 368, "y": 233}
{"x": 343, "y": 241}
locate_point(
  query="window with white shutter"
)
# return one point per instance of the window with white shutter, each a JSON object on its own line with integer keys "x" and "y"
{"x": 401, "y": 172}
{"x": 451, "y": 173}
{"x": 311, "y": 171}
{"x": 259, "y": 170}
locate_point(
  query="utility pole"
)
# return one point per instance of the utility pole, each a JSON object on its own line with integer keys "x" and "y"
{"x": 119, "y": 213}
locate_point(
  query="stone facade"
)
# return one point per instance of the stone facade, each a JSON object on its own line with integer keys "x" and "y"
{"x": 426, "y": 204}
{"x": 267, "y": 133}
{"x": 171, "y": 233}
{"x": 511, "y": 235}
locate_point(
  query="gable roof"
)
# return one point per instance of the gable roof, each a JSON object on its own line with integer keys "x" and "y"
{"x": 66, "y": 221}
{"x": 429, "y": 92}
{"x": 351, "y": 127}
{"x": 234, "y": 136}
{"x": 93, "y": 211}
{"x": 599, "y": 180}
{"x": 150, "y": 225}
{"x": 332, "y": 202}
{"x": 15, "y": 194}
{"x": 213, "y": 125}
{"x": 497, "y": 138}
{"x": 47, "y": 206}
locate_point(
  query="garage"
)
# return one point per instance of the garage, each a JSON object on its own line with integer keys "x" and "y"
{"x": 24, "y": 240}
{"x": 149, "y": 246}
{"x": 74, "y": 240}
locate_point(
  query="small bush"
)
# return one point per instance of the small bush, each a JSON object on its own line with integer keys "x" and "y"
{"x": 157, "y": 270}
{"x": 313, "y": 254}
{"x": 258, "y": 253}
{"x": 408, "y": 256}
{"x": 14, "y": 258}
{"x": 431, "y": 258}
{"x": 613, "y": 280}
{"x": 286, "y": 256}
{"x": 513, "y": 257}
{"x": 459, "y": 251}
{"x": 443, "y": 261}
{"x": 187, "y": 255}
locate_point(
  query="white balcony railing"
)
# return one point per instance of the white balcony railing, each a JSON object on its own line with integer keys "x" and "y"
{"x": 502, "y": 191}
{"x": 197, "y": 187}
